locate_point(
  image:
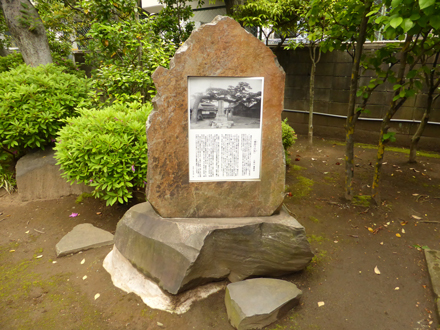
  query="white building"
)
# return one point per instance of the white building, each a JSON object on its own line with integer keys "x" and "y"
{"x": 202, "y": 15}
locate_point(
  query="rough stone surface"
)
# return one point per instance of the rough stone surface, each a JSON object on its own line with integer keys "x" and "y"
{"x": 221, "y": 48}
{"x": 433, "y": 262}
{"x": 129, "y": 279}
{"x": 179, "y": 254}
{"x": 83, "y": 237}
{"x": 38, "y": 177}
{"x": 256, "y": 303}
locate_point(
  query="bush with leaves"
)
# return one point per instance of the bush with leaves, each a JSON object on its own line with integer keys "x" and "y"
{"x": 10, "y": 62}
{"x": 289, "y": 138}
{"x": 67, "y": 65}
{"x": 126, "y": 53}
{"x": 106, "y": 149}
{"x": 32, "y": 103}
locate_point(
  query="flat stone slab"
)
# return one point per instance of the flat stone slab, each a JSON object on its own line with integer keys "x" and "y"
{"x": 83, "y": 237}
{"x": 38, "y": 177}
{"x": 258, "y": 302}
{"x": 221, "y": 48}
{"x": 433, "y": 262}
{"x": 180, "y": 254}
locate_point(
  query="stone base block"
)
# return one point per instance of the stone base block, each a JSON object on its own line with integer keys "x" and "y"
{"x": 38, "y": 177}
{"x": 129, "y": 279}
{"x": 180, "y": 254}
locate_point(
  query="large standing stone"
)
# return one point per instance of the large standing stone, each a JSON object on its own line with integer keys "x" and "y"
{"x": 38, "y": 177}
{"x": 256, "y": 303}
{"x": 221, "y": 48}
{"x": 179, "y": 254}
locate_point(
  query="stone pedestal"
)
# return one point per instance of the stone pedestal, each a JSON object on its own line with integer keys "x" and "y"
{"x": 180, "y": 254}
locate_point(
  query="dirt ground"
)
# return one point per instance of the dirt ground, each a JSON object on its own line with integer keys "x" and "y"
{"x": 37, "y": 293}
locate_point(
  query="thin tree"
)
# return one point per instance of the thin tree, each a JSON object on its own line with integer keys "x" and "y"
{"x": 432, "y": 80}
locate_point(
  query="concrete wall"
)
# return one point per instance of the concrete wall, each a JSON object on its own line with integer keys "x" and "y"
{"x": 332, "y": 85}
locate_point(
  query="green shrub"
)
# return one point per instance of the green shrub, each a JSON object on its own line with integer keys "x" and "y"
{"x": 32, "y": 103}
{"x": 289, "y": 138}
{"x": 10, "y": 62}
{"x": 106, "y": 149}
{"x": 67, "y": 65}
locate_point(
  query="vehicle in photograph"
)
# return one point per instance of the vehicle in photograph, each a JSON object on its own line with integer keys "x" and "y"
{"x": 206, "y": 110}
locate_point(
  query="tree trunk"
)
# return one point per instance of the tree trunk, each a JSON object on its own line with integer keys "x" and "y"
{"x": 27, "y": 30}
{"x": 3, "y": 51}
{"x": 311, "y": 101}
{"x": 416, "y": 137}
{"x": 351, "y": 113}
{"x": 432, "y": 88}
{"x": 394, "y": 106}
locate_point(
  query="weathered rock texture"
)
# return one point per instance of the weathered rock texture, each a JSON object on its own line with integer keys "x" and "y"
{"x": 433, "y": 262}
{"x": 129, "y": 279}
{"x": 221, "y": 48}
{"x": 179, "y": 254}
{"x": 256, "y": 303}
{"x": 82, "y": 237}
{"x": 38, "y": 177}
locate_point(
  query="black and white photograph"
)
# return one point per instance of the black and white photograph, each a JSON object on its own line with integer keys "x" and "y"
{"x": 225, "y": 126}
{"x": 225, "y": 102}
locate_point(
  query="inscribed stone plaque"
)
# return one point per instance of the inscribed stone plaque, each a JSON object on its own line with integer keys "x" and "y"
{"x": 219, "y": 50}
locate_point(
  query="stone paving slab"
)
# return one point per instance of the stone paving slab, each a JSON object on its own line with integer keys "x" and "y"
{"x": 258, "y": 302}
{"x": 433, "y": 262}
{"x": 83, "y": 237}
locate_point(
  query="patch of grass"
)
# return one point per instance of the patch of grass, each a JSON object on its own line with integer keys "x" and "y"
{"x": 363, "y": 200}
{"x": 301, "y": 188}
{"x": 36, "y": 301}
{"x": 314, "y": 219}
{"x": 313, "y": 238}
{"x": 7, "y": 180}
{"x": 297, "y": 168}
{"x": 83, "y": 196}
{"x": 316, "y": 260}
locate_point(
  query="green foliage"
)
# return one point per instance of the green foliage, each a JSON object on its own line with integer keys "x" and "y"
{"x": 106, "y": 149}
{"x": 289, "y": 138}
{"x": 363, "y": 200}
{"x": 7, "y": 180}
{"x": 5, "y": 41}
{"x": 11, "y": 61}
{"x": 126, "y": 54}
{"x": 28, "y": 19}
{"x": 67, "y": 65}
{"x": 346, "y": 18}
{"x": 276, "y": 16}
{"x": 32, "y": 102}
{"x": 173, "y": 23}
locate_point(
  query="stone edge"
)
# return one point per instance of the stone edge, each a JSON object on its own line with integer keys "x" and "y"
{"x": 433, "y": 262}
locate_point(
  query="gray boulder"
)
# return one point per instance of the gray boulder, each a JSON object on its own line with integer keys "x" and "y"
{"x": 180, "y": 254}
{"x": 38, "y": 177}
{"x": 256, "y": 303}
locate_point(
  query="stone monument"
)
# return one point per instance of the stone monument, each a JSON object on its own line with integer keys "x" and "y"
{"x": 214, "y": 191}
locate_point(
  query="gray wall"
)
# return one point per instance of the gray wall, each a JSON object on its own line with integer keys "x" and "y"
{"x": 332, "y": 84}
